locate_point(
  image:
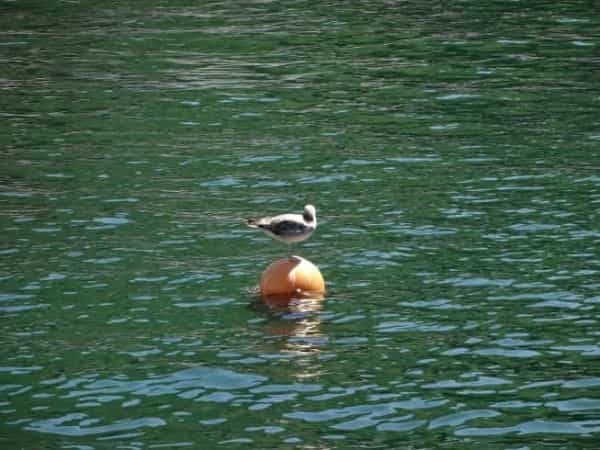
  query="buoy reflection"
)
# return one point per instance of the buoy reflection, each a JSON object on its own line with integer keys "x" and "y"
{"x": 298, "y": 319}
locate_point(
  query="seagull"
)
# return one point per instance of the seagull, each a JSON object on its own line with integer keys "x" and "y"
{"x": 288, "y": 228}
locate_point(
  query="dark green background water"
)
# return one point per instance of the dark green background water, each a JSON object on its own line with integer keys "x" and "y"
{"x": 453, "y": 154}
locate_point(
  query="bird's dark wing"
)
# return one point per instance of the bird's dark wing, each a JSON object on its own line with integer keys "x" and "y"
{"x": 286, "y": 228}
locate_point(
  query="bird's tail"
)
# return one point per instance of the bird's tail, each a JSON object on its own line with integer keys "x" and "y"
{"x": 252, "y": 223}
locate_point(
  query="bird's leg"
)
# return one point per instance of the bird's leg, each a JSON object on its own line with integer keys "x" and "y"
{"x": 291, "y": 248}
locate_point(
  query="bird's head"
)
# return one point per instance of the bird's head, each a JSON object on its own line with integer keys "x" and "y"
{"x": 310, "y": 213}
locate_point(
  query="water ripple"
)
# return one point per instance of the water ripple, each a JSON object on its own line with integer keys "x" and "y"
{"x": 455, "y": 419}
{"x": 83, "y": 428}
{"x": 535, "y": 427}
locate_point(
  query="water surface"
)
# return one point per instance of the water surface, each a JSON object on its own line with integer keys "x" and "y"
{"x": 452, "y": 153}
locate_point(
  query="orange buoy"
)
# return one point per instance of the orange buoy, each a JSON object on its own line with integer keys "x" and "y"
{"x": 290, "y": 277}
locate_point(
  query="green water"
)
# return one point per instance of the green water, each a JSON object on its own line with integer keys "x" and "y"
{"x": 453, "y": 155}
